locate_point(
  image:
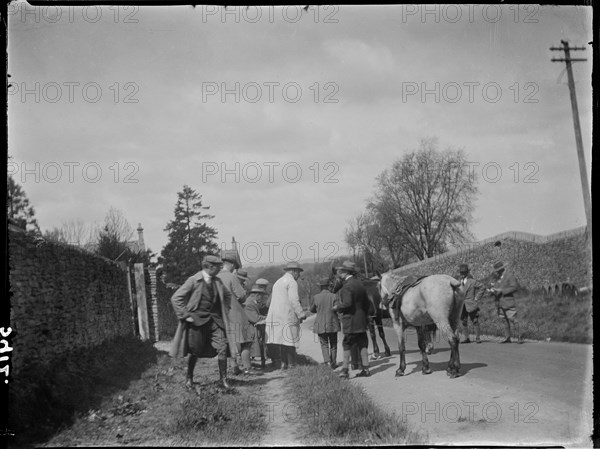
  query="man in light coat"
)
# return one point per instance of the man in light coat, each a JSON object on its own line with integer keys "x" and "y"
{"x": 285, "y": 315}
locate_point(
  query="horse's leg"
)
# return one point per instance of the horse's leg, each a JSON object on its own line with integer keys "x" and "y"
{"x": 430, "y": 337}
{"x": 379, "y": 323}
{"x": 453, "y": 340}
{"x": 399, "y": 328}
{"x": 422, "y": 338}
{"x": 373, "y": 339}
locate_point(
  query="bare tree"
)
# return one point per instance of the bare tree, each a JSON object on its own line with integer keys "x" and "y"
{"x": 364, "y": 238}
{"x": 74, "y": 232}
{"x": 426, "y": 198}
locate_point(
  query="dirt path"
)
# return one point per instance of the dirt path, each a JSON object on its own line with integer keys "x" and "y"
{"x": 535, "y": 393}
{"x": 280, "y": 414}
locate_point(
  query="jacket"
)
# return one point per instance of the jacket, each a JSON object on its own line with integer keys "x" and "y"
{"x": 472, "y": 292}
{"x": 185, "y": 303}
{"x": 240, "y": 328}
{"x": 285, "y": 313}
{"x": 507, "y": 285}
{"x": 354, "y": 305}
{"x": 326, "y": 320}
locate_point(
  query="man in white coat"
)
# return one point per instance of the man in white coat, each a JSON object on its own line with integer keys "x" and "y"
{"x": 285, "y": 315}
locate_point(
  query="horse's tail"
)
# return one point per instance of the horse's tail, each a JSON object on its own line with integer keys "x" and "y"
{"x": 454, "y": 284}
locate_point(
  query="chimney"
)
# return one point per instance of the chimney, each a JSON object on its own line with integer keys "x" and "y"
{"x": 141, "y": 244}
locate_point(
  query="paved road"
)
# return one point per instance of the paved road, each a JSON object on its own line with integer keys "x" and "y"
{"x": 534, "y": 393}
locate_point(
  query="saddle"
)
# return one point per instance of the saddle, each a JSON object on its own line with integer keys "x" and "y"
{"x": 403, "y": 284}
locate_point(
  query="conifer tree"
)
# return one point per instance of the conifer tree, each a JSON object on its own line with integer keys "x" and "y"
{"x": 190, "y": 238}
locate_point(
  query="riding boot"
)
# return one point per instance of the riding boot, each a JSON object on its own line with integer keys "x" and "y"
{"x": 223, "y": 373}
{"x": 477, "y": 333}
{"x": 333, "y": 357}
{"x": 189, "y": 380}
{"x": 292, "y": 356}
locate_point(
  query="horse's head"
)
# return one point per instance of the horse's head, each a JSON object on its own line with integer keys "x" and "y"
{"x": 335, "y": 283}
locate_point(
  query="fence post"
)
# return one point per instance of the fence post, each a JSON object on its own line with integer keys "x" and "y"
{"x": 140, "y": 294}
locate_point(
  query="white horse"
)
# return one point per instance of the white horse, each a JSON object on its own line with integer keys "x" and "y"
{"x": 433, "y": 300}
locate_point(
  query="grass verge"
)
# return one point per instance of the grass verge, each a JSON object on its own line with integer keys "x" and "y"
{"x": 132, "y": 394}
{"x": 540, "y": 317}
{"x": 333, "y": 411}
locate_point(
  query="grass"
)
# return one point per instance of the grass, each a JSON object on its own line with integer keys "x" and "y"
{"x": 135, "y": 395}
{"x": 333, "y": 411}
{"x": 44, "y": 398}
{"x": 540, "y": 317}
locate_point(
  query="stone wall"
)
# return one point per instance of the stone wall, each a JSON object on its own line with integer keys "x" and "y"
{"x": 538, "y": 261}
{"x": 63, "y": 299}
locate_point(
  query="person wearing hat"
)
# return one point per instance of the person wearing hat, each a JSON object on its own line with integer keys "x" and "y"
{"x": 242, "y": 276}
{"x": 285, "y": 315}
{"x": 327, "y": 323}
{"x": 504, "y": 290}
{"x": 202, "y": 306}
{"x": 353, "y": 305}
{"x": 253, "y": 312}
{"x": 472, "y": 292}
{"x": 240, "y": 327}
{"x": 266, "y": 300}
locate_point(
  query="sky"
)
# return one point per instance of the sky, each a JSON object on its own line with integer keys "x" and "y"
{"x": 283, "y": 118}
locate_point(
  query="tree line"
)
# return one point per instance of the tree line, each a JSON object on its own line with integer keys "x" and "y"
{"x": 421, "y": 206}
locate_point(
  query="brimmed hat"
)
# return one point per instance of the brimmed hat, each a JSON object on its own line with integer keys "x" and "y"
{"x": 262, "y": 282}
{"x": 348, "y": 266}
{"x": 463, "y": 268}
{"x": 242, "y": 274}
{"x": 215, "y": 260}
{"x": 293, "y": 266}
{"x": 228, "y": 257}
{"x": 323, "y": 281}
{"x": 257, "y": 289}
{"x": 499, "y": 266}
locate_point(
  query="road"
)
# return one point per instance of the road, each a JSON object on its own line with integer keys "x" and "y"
{"x": 537, "y": 393}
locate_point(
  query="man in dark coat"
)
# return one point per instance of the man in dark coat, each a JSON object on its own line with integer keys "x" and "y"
{"x": 472, "y": 291}
{"x": 327, "y": 323}
{"x": 504, "y": 290}
{"x": 354, "y": 307}
{"x": 202, "y": 306}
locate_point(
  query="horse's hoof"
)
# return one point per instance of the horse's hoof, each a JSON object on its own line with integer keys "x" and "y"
{"x": 454, "y": 375}
{"x": 399, "y": 373}
{"x": 426, "y": 371}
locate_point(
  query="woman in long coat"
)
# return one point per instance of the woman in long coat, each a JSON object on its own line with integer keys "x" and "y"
{"x": 285, "y": 315}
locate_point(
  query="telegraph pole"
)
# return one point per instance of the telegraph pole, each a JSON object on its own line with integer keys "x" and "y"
{"x": 582, "y": 167}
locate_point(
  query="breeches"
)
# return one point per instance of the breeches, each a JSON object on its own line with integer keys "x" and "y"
{"x": 207, "y": 340}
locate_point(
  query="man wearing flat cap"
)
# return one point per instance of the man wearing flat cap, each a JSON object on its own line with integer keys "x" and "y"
{"x": 504, "y": 290}
{"x": 202, "y": 306}
{"x": 472, "y": 292}
{"x": 285, "y": 315}
{"x": 327, "y": 323}
{"x": 353, "y": 305}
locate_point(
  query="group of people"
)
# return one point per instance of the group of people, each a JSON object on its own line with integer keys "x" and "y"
{"x": 219, "y": 317}
{"x": 503, "y": 289}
